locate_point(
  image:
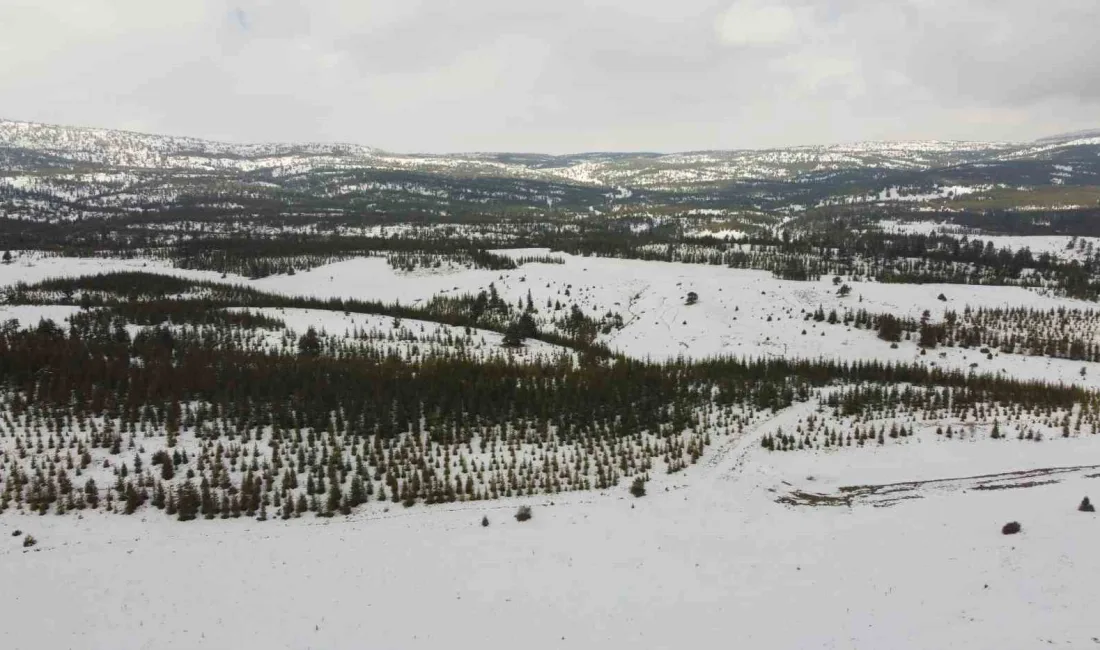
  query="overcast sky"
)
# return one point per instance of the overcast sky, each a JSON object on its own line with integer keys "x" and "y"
{"x": 556, "y": 75}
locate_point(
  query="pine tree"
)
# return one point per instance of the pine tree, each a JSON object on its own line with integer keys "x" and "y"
{"x": 133, "y": 500}
{"x": 187, "y": 501}
{"x": 206, "y": 500}
{"x": 513, "y": 336}
{"x": 91, "y": 494}
{"x": 159, "y": 497}
{"x": 357, "y": 494}
{"x": 332, "y": 503}
{"x": 309, "y": 345}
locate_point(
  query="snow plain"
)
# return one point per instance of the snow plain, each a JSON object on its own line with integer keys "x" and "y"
{"x": 709, "y": 559}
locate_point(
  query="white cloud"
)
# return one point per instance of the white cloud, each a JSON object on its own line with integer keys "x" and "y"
{"x": 564, "y": 76}
{"x": 761, "y": 22}
{"x": 820, "y": 73}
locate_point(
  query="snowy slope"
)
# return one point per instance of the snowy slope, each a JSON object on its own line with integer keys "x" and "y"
{"x": 712, "y": 561}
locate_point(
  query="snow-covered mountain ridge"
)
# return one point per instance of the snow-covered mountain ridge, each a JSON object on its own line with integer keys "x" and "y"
{"x": 75, "y": 145}
{"x": 61, "y": 173}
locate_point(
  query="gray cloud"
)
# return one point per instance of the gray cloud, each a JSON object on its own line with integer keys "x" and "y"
{"x": 572, "y": 75}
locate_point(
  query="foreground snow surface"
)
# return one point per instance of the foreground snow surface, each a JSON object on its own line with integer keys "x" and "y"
{"x": 711, "y": 562}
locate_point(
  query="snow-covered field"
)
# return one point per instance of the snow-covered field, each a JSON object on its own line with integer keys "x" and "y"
{"x": 1058, "y": 246}
{"x": 712, "y": 561}
{"x": 710, "y": 558}
{"x": 740, "y": 313}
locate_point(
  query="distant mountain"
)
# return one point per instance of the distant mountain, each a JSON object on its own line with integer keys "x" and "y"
{"x": 57, "y": 172}
{"x": 1069, "y": 137}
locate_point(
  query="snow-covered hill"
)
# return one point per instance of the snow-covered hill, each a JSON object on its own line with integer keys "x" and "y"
{"x": 38, "y": 144}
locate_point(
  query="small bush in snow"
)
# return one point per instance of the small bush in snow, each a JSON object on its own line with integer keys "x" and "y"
{"x": 484, "y": 521}
{"x": 1011, "y": 528}
{"x": 29, "y": 541}
{"x": 17, "y": 533}
{"x": 637, "y": 488}
{"x": 524, "y": 513}
{"x": 1086, "y": 506}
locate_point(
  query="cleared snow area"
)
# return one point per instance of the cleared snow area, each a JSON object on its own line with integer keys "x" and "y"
{"x": 404, "y": 338}
{"x": 920, "y": 227}
{"x": 1056, "y": 245}
{"x": 712, "y": 561}
{"x": 1060, "y": 246}
{"x": 407, "y": 338}
{"x": 32, "y": 267}
{"x": 907, "y": 195}
{"x": 29, "y": 315}
{"x": 723, "y": 233}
